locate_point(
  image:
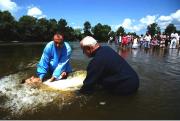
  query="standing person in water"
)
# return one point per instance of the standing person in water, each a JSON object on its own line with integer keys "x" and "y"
{"x": 108, "y": 69}
{"x": 55, "y": 59}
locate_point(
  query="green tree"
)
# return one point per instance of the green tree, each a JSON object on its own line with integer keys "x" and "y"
{"x": 78, "y": 34}
{"x": 178, "y": 31}
{"x": 101, "y": 32}
{"x": 7, "y": 27}
{"x": 53, "y": 27}
{"x": 153, "y": 29}
{"x": 43, "y": 29}
{"x": 170, "y": 29}
{"x": 69, "y": 34}
{"x": 112, "y": 34}
{"x": 62, "y": 23}
{"x": 120, "y": 30}
{"x": 87, "y": 29}
{"x": 65, "y": 30}
{"x": 26, "y": 28}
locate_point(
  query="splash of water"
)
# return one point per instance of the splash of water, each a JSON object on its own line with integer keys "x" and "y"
{"x": 19, "y": 98}
{"x": 73, "y": 82}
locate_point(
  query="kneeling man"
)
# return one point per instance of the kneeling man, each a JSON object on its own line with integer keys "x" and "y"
{"x": 108, "y": 69}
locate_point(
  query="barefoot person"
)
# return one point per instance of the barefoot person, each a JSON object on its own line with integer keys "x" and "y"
{"x": 108, "y": 69}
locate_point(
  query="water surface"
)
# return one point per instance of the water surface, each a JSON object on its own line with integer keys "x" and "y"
{"x": 157, "y": 98}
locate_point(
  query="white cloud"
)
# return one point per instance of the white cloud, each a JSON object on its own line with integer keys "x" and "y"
{"x": 136, "y": 26}
{"x": 174, "y": 18}
{"x": 165, "y": 18}
{"x": 176, "y": 15}
{"x": 148, "y": 19}
{"x": 163, "y": 21}
{"x": 35, "y": 12}
{"x": 128, "y": 24}
{"x": 8, "y": 5}
{"x": 163, "y": 24}
{"x": 131, "y": 25}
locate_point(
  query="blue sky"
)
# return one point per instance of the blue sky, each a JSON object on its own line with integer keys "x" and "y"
{"x": 133, "y": 15}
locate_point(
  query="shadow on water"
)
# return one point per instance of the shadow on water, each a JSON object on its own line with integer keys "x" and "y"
{"x": 157, "y": 98}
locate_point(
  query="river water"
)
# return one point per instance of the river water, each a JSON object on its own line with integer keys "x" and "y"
{"x": 157, "y": 98}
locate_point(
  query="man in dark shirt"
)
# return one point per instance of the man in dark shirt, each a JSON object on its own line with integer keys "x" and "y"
{"x": 108, "y": 69}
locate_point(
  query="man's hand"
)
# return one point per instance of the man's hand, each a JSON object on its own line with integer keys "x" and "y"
{"x": 64, "y": 75}
{"x": 51, "y": 79}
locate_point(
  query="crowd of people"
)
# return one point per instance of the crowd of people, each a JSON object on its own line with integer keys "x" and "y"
{"x": 148, "y": 41}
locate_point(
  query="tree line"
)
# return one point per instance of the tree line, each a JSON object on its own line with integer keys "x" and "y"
{"x": 31, "y": 29}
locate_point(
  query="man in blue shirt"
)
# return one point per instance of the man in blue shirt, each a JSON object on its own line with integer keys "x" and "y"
{"x": 55, "y": 59}
{"x": 108, "y": 69}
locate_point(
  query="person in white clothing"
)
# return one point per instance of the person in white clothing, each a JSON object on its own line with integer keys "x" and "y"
{"x": 173, "y": 41}
{"x": 135, "y": 43}
{"x": 147, "y": 40}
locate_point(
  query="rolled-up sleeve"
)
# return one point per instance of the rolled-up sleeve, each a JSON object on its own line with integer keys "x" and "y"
{"x": 63, "y": 65}
{"x": 43, "y": 65}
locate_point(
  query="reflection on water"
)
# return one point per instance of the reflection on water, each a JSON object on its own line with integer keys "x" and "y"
{"x": 157, "y": 98}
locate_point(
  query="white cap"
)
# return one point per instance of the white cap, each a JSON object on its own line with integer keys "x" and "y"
{"x": 88, "y": 41}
